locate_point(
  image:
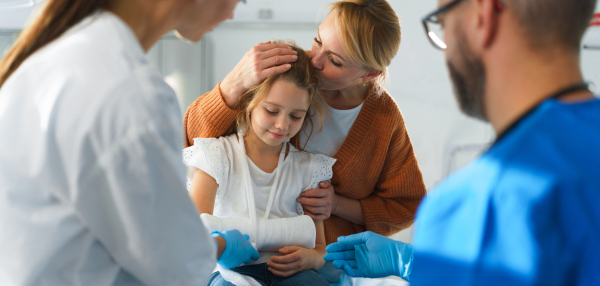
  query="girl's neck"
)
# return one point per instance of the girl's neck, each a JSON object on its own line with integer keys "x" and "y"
{"x": 256, "y": 147}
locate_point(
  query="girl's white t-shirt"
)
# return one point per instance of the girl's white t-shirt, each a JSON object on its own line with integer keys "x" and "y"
{"x": 334, "y": 133}
{"x": 222, "y": 159}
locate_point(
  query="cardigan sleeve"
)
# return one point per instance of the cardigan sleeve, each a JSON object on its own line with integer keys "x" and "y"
{"x": 209, "y": 116}
{"x": 399, "y": 190}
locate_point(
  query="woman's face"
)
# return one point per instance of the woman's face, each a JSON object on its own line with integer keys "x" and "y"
{"x": 335, "y": 71}
{"x": 279, "y": 116}
{"x": 203, "y": 17}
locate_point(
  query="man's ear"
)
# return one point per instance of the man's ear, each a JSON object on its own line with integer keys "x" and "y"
{"x": 373, "y": 73}
{"x": 488, "y": 22}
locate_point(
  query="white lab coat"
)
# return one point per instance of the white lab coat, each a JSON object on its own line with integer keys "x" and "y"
{"x": 92, "y": 188}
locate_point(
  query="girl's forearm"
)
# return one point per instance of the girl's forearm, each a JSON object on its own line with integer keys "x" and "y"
{"x": 349, "y": 209}
{"x": 319, "y": 252}
{"x": 221, "y": 244}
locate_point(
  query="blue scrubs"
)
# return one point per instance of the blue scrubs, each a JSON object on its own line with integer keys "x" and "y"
{"x": 527, "y": 212}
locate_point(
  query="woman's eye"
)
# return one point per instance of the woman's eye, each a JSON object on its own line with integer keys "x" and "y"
{"x": 295, "y": 117}
{"x": 271, "y": 112}
{"x": 334, "y": 62}
{"x": 318, "y": 42}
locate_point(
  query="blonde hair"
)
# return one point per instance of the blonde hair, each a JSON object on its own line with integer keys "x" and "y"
{"x": 302, "y": 74}
{"x": 369, "y": 31}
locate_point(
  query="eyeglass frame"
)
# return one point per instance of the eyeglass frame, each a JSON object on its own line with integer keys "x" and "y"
{"x": 498, "y": 5}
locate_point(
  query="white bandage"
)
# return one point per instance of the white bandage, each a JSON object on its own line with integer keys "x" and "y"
{"x": 272, "y": 234}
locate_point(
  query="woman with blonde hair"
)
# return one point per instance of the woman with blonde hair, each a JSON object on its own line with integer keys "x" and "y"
{"x": 92, "y": 186}
{"x": 376, "y": 184}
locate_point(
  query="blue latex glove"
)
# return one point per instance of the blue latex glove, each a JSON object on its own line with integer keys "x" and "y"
{"x": 238, "y": 249}
{"x": 371, "y": 255}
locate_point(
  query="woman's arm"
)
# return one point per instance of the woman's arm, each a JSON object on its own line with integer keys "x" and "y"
{"x": 393, "y": 201}
{"x": 393, "y": 204}
{"x": 212, "y": 114}
{"x": 297, "y": 259}
{"x": 203, "y": 191}
{"x": 322, "y": 202}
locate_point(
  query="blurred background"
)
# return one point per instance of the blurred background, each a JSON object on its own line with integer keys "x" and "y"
{"x": 443, "y": 138}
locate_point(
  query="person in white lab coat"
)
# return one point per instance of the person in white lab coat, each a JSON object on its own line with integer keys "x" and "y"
{"x": 92, "y": 184}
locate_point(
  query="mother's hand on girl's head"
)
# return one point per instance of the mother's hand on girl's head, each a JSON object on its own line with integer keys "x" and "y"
{"x": 319, "y": 203}
{"x": 260, "y": 62}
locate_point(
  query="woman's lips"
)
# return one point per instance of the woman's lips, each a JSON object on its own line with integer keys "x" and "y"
{"x": 276, "y": 135}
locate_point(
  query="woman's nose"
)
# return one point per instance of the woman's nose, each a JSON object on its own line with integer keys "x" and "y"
{"x": 317, "y": 62}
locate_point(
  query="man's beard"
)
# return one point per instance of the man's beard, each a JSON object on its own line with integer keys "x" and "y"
{"x": 469, "y": 85}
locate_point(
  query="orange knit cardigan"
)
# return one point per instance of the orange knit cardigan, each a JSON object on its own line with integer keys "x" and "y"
{"x": 375, "y": 165}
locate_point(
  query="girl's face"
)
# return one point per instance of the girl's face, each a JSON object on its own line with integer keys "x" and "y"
{"x": 334, "y": 68}
{"x": 279, "y": 116}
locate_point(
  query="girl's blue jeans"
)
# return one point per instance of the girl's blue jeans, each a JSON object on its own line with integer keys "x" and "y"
{"x": 262, "y": 275}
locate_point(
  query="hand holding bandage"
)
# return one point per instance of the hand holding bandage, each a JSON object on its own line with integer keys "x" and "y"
{"x": 237, "y": 251}
{"x": 273, "y": 234}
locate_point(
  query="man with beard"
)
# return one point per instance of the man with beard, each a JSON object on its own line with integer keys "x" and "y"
{"x": 526, "y": 211}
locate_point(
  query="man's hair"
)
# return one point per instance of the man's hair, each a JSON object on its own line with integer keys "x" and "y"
{"x": 554, "y": 22}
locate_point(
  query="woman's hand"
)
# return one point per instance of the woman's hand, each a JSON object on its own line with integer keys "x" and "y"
{"x": 296, "y": 259}
{"x": 260, "y": 62}
{"x": 319, "y": 203}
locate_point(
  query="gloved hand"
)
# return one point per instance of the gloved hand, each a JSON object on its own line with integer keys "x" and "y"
{"x": 238, "y": 249}
{"x": 371, "y": 255}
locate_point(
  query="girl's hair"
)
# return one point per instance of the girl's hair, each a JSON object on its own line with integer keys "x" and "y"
{"x": 369, "y": 31}
{"x": 57, "y": 17}
{"x": 302, "y": 74}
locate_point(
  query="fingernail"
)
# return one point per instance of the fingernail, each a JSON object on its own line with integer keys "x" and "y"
{"x": 302, "y": 194}
{"x": 295, "y": 57}
{"x": 295, "y": 52}
{"x": 288, "y": 66}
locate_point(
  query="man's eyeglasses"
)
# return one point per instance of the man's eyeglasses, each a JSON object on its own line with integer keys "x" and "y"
{"x": 433, "y": 23}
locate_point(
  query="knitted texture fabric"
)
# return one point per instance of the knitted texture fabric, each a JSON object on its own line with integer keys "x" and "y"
{"x": 376, "y": 164}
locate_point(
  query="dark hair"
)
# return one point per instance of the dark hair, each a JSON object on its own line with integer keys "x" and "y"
{"x": 549, "y": 22}
{"x": 303, "y": 75}
{"x": 57, "y": 17}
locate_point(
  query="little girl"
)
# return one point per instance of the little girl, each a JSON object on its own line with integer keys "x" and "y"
{"x": 255, "y": 172}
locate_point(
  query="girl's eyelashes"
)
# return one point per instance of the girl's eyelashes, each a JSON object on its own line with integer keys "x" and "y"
{"x": 295, "y": 118}
{"x": 318, "y": 42}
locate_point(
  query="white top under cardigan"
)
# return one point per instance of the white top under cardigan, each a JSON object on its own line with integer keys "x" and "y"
{"x": 334, "y": 133}
{"x": 222, "y": 159}
{"x": 92, "y": 189}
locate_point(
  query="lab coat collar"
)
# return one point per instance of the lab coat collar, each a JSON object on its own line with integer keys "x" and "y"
{"x": 125, "y": 32}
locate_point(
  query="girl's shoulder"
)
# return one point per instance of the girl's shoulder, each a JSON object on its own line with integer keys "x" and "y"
{"x": 218, "y": 148}
{"x": 319, "y": 166}
{"x": 228, "y": 142}
{"x": 303, "y": 157}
